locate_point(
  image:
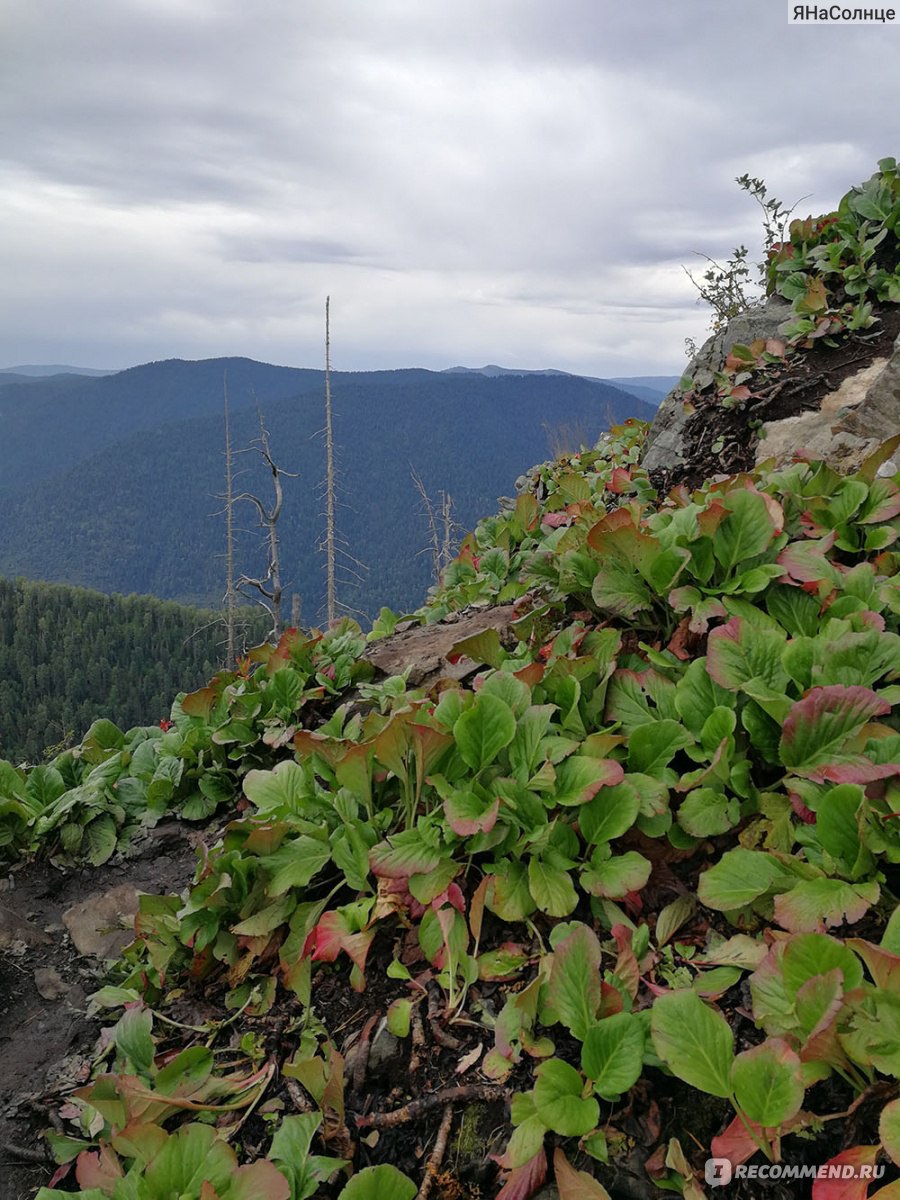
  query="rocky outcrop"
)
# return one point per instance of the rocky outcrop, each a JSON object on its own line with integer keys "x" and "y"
{"x": 668, "y": 445}
{"x": 840, "y": 421}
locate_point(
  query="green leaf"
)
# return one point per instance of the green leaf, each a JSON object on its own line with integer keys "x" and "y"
{"x": 614, "y": 876}
{"x": 558, "y": 1101}
{"x": 738, "y": 652}
{"x": 694, "y": 1041}
{"x": 405, "y": 854}
{"x": 267, "y": 919}
{"x": 133, "y": 1039}
{"x": 551, "y": 886}
{"x": 613, "y": 1054}
{"x": 619, "y": 589}
{"x": 379, "y": 1183}
{"x": 609, "y": 814}
{"x": 398, "y": 1017}
{"x": 579, "y": 778}
{"x": 510, "y": 690}
{"x": 483, "y": 647}
{"x": 295, "y": 863}
{"x": 815, "y": 904}
{"x": 767, "y": 1083}
{"x": 706, "y": 813}
{"x": 186, "y": 1073}
{"x": 697, "y": 694}
{"x": 191, "y": 1156}
{"x": 752, "y": 524}
{"x": 283, "y": 789}
{"x": 837, "y": 824}
{"x": 508, "y": 895}
{"x": 740, "y": 877}
{"x": 574, "y": 988}
{"x": 467, "y": 813}
{"x": 889, "y": 1130}
{"x": 484, "y": 730}
{"x": 526, "y": 1141}
{"x": 99, "y": 840}
{"x": 652, "y": 747}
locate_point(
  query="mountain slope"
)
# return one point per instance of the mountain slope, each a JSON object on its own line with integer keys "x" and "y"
{"x": 69, "y": 656}
{"x": 106, "y": 487}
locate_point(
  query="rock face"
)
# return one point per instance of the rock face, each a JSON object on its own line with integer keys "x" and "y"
{"x": 849, "y": 424}
{"x": 667, "y": 445}
{"x": 846, "y": 425}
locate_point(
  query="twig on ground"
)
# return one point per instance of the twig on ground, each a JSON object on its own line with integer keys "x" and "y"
{"x": 417, "y": 1108}
{"x": 439, "y": 1033}
{"x": 418, "y": 1041}
{"x": 437, "y": 1154}
{"x": 26, "y": 1153}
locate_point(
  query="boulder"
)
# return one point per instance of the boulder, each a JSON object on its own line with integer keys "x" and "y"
{"x": 666, "y": 444}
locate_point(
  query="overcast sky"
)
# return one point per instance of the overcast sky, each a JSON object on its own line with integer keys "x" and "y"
{"x": 472, "y": 181}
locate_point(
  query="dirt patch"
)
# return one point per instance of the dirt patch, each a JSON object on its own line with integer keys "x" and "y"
{"x": 45, "y": 1035}
{"x": 721, "y": 441}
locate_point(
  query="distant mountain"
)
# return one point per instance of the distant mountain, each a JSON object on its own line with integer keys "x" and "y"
{"x": 651, "y": 388}
{"x": 39, "y": 371}
{"x": 111, "y": 482}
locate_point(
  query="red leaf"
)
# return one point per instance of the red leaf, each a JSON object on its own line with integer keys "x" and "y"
{"x": 846, "y": 1189}
{"x": 332, "y": 935}
{"x": 735, "y": 1143}
{"x": 619, "y": 481}
{"x": 522, "y": 1182}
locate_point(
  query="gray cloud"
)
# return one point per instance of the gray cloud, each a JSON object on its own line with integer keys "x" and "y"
{"x": 507, "y": 181}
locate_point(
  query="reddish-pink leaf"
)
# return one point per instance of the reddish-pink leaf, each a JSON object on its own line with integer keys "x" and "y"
{"x": 806, "y": 562}
{"x": 847, "y": 1189}
{"x": 627, "y": 969}
{"x": 619, "y": 481}
{"x": 884, "y": 967}
{"x": 332, "y": 935}
{"x": 522, "y": 1182}
{"x": 98, "y": 1169}
{"x": 819, "y": 725}
{"x": 735, "y": 1143}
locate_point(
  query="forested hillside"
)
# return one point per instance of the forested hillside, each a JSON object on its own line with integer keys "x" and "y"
{"x": 68, "y": 656}
{"x": 111, "y": 483}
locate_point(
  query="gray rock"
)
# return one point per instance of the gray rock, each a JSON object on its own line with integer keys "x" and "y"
{"x": 665, "y": 442}
{"x": 878, "y": 416}
{"x": 50, "y": 983}
{"x": 103, "y": 924}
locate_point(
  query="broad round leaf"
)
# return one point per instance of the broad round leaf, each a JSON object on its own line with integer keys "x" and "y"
{"x": 767, "y": 1082}
{"x": 613, "y": 1054}
{"x": 558, "y": 1101}
{"x": 694, "y": 1040}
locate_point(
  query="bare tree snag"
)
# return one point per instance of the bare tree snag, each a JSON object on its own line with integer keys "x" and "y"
{"x": 269, "y": 586}
{"x": 230, "y": 590}
{"x": 331, "y": 592}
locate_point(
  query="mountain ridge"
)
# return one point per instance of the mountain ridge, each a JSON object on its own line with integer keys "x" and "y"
{"x": 111, "y": 482}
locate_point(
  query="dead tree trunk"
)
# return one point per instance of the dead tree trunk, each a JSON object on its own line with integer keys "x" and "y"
{"x": 269, "y": 587}
{"x": 331, "y": 591}
{"x": 230, "y": 591}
